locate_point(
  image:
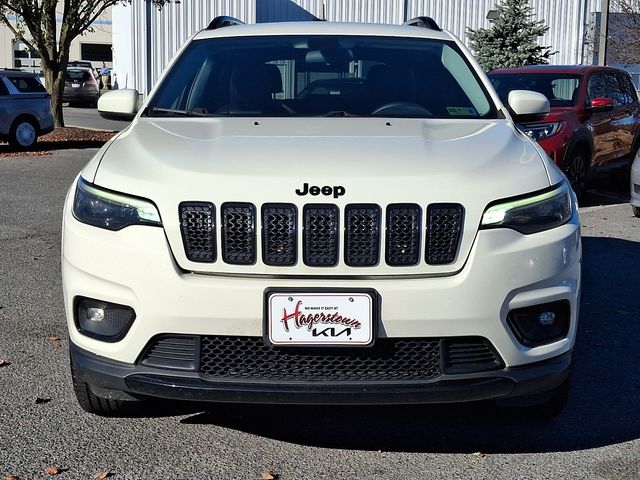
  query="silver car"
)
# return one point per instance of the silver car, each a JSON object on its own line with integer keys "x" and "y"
{"x": 25, "y": 108}
{"x": 635, "y": 187}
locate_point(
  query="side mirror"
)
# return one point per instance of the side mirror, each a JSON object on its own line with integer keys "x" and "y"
{"x": 118, "y": 104}
{"x": 528, "y": 106}
{"x": 601, "y": 104}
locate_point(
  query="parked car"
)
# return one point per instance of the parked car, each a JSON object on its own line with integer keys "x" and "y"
{"x": 25, "y": 108}
{"x": 81, "y": 87}
{"x": 84, "y": 64}
{"x": 594, "y": 120}
{"x": 404, "y": 246}
{"x": 635, "y": 187}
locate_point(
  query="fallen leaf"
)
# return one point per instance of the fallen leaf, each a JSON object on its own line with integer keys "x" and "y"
{"x": 270, "y": 475}
{"x": 479, "y": 455}
{"x": 4, "y": 363}
{"x": 102, "y": 474}
{"x": 11, "y": 477}
{"x": 55, "y": 341}
{"x": 41, "y": 400}
{"x": 53, "y": 470}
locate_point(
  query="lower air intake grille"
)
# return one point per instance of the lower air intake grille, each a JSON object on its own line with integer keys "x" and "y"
{"x": 197, "y": 225}
{"x": 248, "y": 358}
{"x": 320, "y": 235}
{"x": 403, "y": 234}
{"x": 444, "y": 226}
{"x": 362, "y": 235}
{"x": 279, "y": 234}
{"x": 177, "y": 352}
{"x": 470, "y": 354}
{"x": 238, "y": 233}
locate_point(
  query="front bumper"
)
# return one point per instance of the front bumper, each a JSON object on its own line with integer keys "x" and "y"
{"x": 118, "y": 380}
{"x": 635, "y": 183}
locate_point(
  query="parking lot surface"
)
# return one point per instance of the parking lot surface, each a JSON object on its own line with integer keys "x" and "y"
{"x": 597, "y": 437}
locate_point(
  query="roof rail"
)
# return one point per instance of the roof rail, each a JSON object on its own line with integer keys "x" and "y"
{"x": 423, "y": 22}
{"x": 223, "y": 21}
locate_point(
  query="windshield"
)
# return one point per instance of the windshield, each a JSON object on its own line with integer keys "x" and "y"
{"x": 322, "y": 76}
{"x": 562, "y": 90}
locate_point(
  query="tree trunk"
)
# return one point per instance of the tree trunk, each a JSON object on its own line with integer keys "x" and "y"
{"x": 54, "y": 80}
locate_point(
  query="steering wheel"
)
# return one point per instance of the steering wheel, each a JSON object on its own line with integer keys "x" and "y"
{"x": 401, "y": 108}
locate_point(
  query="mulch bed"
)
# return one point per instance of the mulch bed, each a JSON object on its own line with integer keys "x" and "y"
{"x": 60, "y": 139}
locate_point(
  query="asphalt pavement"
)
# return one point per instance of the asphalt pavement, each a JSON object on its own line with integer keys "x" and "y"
{"x": 597, "y": 437}
{"x": 88, "y": 117}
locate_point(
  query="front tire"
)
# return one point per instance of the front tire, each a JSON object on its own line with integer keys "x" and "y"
{"x": 636, "y": 211}
{"x": 92, "y": 403}
{"x": 576, "y": 170}
{"x": 23, "y": 134}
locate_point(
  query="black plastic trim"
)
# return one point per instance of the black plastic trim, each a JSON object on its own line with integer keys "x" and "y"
{"x": 136, "y": 380}
{"x": 305, "y": 234}
{"x": 214, "y": 224}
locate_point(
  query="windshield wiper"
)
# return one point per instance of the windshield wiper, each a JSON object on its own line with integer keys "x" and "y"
{"x": 184, "y": 113}
{"x": 338, "y": 113}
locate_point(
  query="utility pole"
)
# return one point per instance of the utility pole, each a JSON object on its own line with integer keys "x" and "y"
{"x": 604, "y": 32}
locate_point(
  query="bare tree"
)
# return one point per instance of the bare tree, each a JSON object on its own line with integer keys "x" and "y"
{"x": 36, "y": 26}
{"x": 623, "y": 39}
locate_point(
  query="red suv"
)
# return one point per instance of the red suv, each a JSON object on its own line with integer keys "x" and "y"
{"x": 594, "y": 119}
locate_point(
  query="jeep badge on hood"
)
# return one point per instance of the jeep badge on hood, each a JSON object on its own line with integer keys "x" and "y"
{"x": 336, "y": 190}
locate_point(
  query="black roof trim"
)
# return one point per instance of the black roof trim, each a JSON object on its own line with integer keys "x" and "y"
{"x": 223, "y": 21}
{"x": 423, "y": 22}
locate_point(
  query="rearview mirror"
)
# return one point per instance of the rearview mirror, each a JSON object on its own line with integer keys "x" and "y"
{"x": 601, "y": 104}
{"x": 118, "y": 104}
{"x": 528, "y": 106}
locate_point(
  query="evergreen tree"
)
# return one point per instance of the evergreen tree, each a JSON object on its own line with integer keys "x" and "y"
{"x": 512, "y": 40}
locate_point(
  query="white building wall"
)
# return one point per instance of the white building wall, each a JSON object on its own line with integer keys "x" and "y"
{"x": 174, "y": 24}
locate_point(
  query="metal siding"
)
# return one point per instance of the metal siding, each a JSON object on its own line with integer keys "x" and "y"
{"x": 367, "y": 11}
{"x": 287, "y": 10}
{"x": 175, "y": 23}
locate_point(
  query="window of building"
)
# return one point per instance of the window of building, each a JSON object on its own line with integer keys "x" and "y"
{"x": 96, "y": 52}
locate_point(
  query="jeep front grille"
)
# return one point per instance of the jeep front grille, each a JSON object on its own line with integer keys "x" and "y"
{"x": 444, "y": 225}
{"x": 197, "y": 225}
{"x": 279, "y": 234}
{"x": 239, "y": 233}
{"x": 404, "y": 236}
{"x": 320, "y": 232}
{"x": 362, "y": 235}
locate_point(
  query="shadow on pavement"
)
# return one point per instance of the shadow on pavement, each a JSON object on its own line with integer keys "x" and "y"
{"x": 603, "y": 408}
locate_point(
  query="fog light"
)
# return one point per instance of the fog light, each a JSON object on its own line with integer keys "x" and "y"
{"x": 95, "y": 314}
{"x": 108, "y": 322}
{"x": 547, "y": 318}
{"x": 540, "y": 324}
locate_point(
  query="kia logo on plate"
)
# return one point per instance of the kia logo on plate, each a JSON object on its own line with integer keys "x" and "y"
{"x": 336, "y": 190}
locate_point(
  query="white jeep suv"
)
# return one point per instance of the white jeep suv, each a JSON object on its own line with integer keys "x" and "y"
{"x": 321, "y": 213}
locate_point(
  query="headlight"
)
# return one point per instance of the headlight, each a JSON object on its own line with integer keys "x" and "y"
{"x": 542, "y": 130}
{"x": 110, "y": 210}
{"x": 533, "y": 213}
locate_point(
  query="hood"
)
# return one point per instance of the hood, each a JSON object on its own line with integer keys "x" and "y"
{"x": 381, "y": 161}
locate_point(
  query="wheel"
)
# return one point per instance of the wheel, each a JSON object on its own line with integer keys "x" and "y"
{"x": 636, "y": 211}
{"x": 23, "y": 133}
{"x": 541, "y": 406}
{"x": 92, "y": 403}
{"x": 576, "y": 170}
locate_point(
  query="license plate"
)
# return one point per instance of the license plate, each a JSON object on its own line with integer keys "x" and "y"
{"x": 75, "y": 85}
{"x": 320, "y": 318}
